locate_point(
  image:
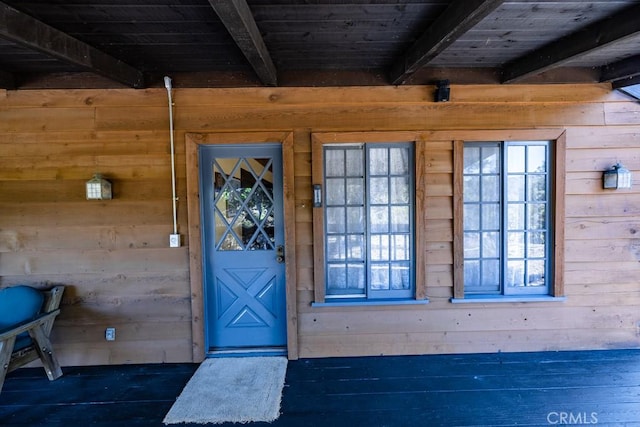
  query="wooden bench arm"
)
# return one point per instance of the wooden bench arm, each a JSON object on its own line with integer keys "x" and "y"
{"x": 40, "y": 320}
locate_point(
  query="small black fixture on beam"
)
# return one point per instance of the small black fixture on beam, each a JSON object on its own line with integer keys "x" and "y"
{"x": 443, "y": 91}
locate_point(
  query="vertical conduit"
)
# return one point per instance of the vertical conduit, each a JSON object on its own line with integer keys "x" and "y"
{"x": 167, "y": 84}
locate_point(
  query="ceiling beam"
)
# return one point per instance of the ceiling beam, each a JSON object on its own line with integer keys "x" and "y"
{"x": 621, "y": 84}
{"x": 24, "y": 30}
{"x": 624, "y": 69}
{"x": 7, "y": 81}
{"x": 598, "y": 35}
{"x": 238, "y": 19}
{"x": 458, "y": 18}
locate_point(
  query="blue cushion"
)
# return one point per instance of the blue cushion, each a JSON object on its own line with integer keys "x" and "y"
{"x": 19, "y": 304}
{"x": 23, "y": 340}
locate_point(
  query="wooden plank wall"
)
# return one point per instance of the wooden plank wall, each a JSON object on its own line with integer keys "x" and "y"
{"x": 114, "y": 255}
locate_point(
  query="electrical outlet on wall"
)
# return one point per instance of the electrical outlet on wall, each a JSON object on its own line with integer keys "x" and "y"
{"x": 110, "y": 334}
{"x": 174, "y": 240}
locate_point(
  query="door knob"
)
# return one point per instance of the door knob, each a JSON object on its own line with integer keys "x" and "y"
{"x": 280, "y": 254}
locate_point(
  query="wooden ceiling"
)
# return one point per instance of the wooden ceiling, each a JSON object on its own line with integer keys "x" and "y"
{"x": 232, "y": 43}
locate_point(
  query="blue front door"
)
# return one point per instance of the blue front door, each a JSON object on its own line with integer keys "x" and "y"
{"x": 243, "y": 241}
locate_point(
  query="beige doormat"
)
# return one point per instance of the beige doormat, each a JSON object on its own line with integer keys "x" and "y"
{"x": 235, "y": 389}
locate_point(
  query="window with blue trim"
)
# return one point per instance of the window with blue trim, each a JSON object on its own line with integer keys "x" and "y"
{"x": 507, "y": 216}
{"x": 369, "y": 221}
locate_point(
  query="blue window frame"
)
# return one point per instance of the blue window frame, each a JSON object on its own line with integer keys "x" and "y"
{"x": 369, "y": 221}
{"x": 507, "y": 218}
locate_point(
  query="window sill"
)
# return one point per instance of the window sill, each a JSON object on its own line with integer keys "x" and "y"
{"x": 506, "y": 299}
{"x": 368, "y": 303}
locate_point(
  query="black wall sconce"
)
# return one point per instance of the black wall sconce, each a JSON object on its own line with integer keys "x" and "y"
{"x": 616, "y": 177}
{"x": 443, "y": 91}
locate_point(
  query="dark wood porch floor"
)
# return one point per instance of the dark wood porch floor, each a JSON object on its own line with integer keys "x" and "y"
{"x": 524, "y": 389}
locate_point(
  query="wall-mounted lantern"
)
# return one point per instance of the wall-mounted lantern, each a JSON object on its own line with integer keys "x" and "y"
{"x": 616, "y": 177}
{"x": 98, "y": 188}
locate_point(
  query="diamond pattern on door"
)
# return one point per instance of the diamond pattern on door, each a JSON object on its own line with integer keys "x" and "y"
{"x": 243, "y": 204}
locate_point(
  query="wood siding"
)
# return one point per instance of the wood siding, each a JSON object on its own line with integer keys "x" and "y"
{"x": 115, "y": 258}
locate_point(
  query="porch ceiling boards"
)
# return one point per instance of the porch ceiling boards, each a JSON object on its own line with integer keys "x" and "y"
{"x": 230, "y": 43}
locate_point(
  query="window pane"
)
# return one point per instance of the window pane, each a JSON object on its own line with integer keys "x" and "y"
{"x": 535, "y": 273}
{"x": 336, "y": 276}
{"x": 380, "y": 247}
{"x": 471, "y": 274}
{"x": 355, "y": 247}
{"x": 334, "y": 163}
{"x": 516, "y": 188}
{"x": 491, "y": 216}
{"x": 345, "y": 279}
{"x": 335, "y": 220}
{"x": 515, "y": 220}
{"x": 537, "y": 188}
{"x": 490, "y": 157}
{"x": 378, "y": 161}
{"x": 471, "y": 160}
{"x": 471, "y": 189}
{"x": 515, "y": 156}
{"x": 336, "y": 248}
{"x": 380, "y": 276}
{"x": 515, "y": 273}
{"x": 491, "y": 275}
{"x": 490, "y": 245}
{"x": 400, "y": 219}
{"x": 515, "y": 245}
{"x": 536, "y": 247}
{"x": 379, "y": 191}
{"x": 335, "y": 191}
{"x": 379, "y": 219}
{"x": 400, "y": 276}
{"x": 400, "y": 249}
{"x": 355, "y": 220}
{"x": 355, "y": 278}
{"x": 399, "y": 161}
{"x": 537, "y": 216}
{"x": 400, "y": 189}
{"x": 471, "y": 217}
{"x": 355, "y": 191}
{"x": 490, "y": 188}
{"x": 354, "y": 162}
{"x": 537, "y": 158}
{"x": 471, "y": 245}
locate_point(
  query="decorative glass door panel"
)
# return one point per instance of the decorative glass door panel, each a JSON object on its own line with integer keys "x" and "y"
{"x": 243, "y": 200}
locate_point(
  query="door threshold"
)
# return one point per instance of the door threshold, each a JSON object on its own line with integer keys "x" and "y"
{"x": 247, "y": 352}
